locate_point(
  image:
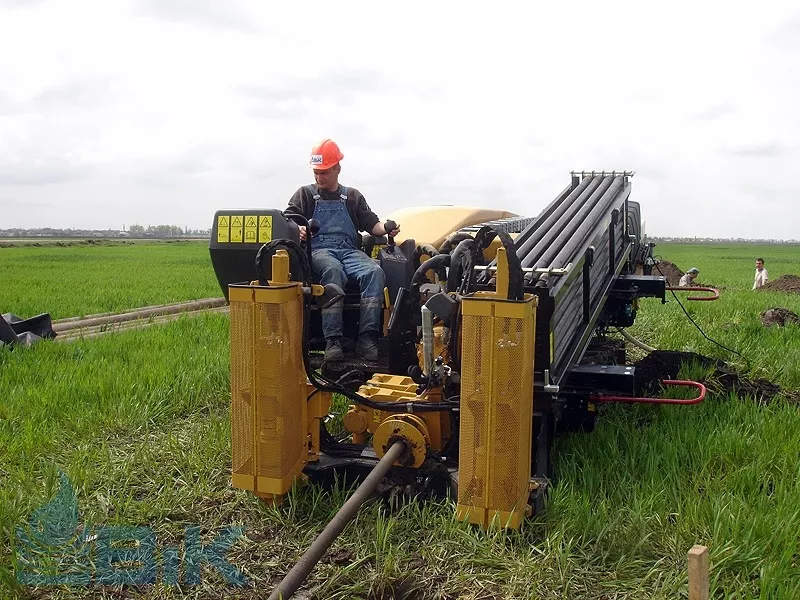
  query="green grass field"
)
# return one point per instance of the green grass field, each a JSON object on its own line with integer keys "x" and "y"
{"x": 81, "y": 280}
{"x": 138, "y": 421}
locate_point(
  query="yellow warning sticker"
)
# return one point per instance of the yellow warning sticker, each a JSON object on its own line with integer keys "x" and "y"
{"x": 236, "y": 228}
{"x": 264, "y": 229}
{"x": 250, "y": 228}
{"x": 223, "y": 229}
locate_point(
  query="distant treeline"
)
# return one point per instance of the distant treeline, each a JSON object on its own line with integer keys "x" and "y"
{"x": 134, "y": 231}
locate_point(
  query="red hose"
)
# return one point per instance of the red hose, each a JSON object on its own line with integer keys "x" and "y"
{"x": 675, "y": 382}
{"x": 696, "y": 288}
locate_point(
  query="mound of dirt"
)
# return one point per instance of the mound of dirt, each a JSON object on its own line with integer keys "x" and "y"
{"x": 778, "y": 316}
{"x": 665, "y": 364}
{"x": 670, "y": 271}
{"x": 784, "y": 283}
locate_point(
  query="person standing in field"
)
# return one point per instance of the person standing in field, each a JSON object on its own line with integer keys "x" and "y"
{"x": 689, "y": 278}
{"x": 761, "y": 274}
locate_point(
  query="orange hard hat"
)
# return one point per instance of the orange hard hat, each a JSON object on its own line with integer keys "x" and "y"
{"x": 325, "y": 154}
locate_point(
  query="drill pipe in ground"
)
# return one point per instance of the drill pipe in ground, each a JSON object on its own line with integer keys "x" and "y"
{"x": 295, "y": 578}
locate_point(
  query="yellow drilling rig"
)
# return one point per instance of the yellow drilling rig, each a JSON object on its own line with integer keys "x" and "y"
{"x": 494, "y": 338}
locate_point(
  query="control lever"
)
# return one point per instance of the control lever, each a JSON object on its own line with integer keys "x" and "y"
{"x": 390, "y": 225}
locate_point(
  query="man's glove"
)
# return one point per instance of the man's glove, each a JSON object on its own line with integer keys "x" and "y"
{"x": 392, "y": 228}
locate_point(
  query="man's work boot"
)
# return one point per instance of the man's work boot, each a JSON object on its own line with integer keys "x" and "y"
{"x": 333, "y": 350}
{"x": 367, "y": 347}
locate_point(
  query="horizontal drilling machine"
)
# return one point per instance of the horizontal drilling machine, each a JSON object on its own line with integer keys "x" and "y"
{"x": 494, "y": 339}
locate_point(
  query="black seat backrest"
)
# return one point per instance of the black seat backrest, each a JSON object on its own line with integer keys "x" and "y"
{"x": 397, "y": 263}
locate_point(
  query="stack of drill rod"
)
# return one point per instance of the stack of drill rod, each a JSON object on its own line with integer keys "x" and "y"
{"x": 560, "y": 234}
{"x": 572, "y": 252}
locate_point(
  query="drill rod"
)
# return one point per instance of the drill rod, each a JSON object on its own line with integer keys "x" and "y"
{"x": 295, "y": 578}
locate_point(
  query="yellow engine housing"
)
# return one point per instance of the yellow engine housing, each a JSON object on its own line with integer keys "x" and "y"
{"x": 496, "y": 416}
{"x": 362, "y": 420}
{"x": 274, "y": 428}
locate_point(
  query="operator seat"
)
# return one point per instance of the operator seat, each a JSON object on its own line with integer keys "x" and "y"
{"x": 397, "y": 263}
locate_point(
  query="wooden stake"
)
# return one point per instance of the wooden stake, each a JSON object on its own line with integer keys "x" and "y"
{"x": 698, "y": 573}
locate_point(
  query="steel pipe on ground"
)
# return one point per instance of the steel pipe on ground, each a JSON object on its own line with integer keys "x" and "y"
{"x": 100, "y": 330}
{"x": 108, "y": 314}
{"x": 295, "y": 578}
{"x": 142, "y": 313}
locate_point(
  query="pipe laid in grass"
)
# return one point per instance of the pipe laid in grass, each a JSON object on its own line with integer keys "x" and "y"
{"x": 295, "y": 578}
{"x": 141, "y": 313}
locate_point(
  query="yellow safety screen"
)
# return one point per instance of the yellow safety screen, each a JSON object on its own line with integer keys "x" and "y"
{"x": 268, "y": 386}
{"x": 280, "y": 389}
{"x": 242, "y": 417}
{"x": 496, "y": 411}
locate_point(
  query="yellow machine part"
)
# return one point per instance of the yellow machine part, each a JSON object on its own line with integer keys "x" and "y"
{"x": 432, "y": 224}
{"x": 438, "y": 344}
{"x": 361, "y": 420}
{"x": 269, "y": 413}
{"x": 319, "y": 406}
{"x": 409, "y": 428}
{"x": 497, "y": 351}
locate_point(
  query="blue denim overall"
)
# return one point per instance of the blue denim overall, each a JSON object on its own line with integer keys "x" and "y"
{"x": 335, "y": 257}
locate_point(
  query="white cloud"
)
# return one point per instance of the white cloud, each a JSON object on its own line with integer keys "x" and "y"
{"x": 164, "y": 111}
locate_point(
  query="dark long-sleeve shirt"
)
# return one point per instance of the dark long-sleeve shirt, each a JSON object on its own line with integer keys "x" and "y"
{"x": 303, "y": 203}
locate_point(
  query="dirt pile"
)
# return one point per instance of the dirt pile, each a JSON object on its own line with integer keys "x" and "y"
{"x": 778, "y": 316}
{"x": 670, "y": 271}
{"x": 665, "y": 364}
{"x": 784, "y": 283}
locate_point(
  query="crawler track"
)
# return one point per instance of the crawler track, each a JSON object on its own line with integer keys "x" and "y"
{"x": 101, "y": 324}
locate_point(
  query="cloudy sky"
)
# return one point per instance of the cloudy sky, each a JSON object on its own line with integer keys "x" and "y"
{"x": 118, "y": 112}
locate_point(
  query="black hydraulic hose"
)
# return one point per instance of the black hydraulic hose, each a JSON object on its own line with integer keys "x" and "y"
{"x": 267, "y": 250}
{"x": 334, "y": 448}
{"x": 452, "y": 241}
{"x": 297, "y": 575}
{"x": 437, "y": 262}
{"x": 323, "y": 383}
{"x": 483, "y": 239}
{"x": 456, "y": 274}
{"x": 304, "y": 221}
{"x": 424, "y": 249}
